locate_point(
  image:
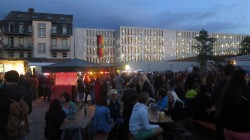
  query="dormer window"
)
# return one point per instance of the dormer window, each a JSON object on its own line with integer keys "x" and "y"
{"x": 54, "y": 29}
{"x": 34, "y": 17}
{"x": 49, "y": 17}
{"x": 19, "y": 16}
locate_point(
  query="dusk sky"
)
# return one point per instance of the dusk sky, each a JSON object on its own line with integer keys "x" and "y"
{"x": 222, "y": 16}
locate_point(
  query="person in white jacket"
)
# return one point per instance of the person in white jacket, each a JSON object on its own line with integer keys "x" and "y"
{"x": 139, "y": 125}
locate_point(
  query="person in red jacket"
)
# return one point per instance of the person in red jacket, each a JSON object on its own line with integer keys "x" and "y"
{"x": 100, "y": 88}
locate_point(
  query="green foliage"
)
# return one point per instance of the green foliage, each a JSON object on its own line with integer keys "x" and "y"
{"x": 204, "y": 47}
{"x": 245, "y": 46}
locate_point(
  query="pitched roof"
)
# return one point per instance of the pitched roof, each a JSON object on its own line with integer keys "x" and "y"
{"x": 29, "y": 16}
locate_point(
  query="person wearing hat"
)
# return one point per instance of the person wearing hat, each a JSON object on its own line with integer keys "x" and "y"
{"x": 114, "y": 104}
{"x": 114, "y": 107}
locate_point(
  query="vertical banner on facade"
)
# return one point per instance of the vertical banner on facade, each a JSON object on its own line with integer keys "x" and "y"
{"x": 100, "y": 45}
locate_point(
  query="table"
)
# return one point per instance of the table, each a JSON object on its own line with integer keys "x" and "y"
{"x": 154, "y": 117}
{"x": 78, "y": 124}
{"x": 165, "y": 123}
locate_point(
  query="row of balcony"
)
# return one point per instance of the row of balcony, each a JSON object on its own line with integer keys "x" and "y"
{"x": 17, "y": 33}
{"x": 29, "y": 47}
{"x": 16, "y": 47}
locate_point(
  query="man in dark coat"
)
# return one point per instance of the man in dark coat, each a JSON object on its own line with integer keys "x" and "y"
{"x": 11, "y": 90}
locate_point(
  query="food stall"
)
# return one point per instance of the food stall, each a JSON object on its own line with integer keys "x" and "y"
{"x": 66, "y": 74}
{"x": 19, "y": 65}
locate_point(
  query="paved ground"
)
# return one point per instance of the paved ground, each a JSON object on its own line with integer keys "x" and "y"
{"x": 37, "y": 124}
{"x": 36, "y": 118}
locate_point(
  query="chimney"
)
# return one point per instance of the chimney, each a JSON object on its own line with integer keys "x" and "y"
{"x": 31, "y": 10}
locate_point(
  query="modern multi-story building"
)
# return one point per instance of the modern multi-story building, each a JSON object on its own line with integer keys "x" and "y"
{"x": 142, "y": 46}
{"x": 226, "y": 44}
{"x": 32, "y": 35}
{"x": 86, "y": 46}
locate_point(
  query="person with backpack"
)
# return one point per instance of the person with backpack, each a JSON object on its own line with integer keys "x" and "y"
{"x": 15, "y": 105}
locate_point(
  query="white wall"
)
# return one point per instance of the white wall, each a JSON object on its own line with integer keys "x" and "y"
{"x": 160, "y": 66}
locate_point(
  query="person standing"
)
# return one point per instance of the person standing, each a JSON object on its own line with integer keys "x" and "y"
{"x": 216, "y": 99}
{"x": 100, "y": 88}
{"x": 91, "y": 90}
{"x": 145, "y": 85}
{"x": 80, "y": 88}
{"x": 235, "y": 107}
{"x": 11, "y": 91}
{"x": 118, "y": 83}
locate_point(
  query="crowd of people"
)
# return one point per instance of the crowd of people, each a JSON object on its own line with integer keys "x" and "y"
{"x": 220, "y": 96}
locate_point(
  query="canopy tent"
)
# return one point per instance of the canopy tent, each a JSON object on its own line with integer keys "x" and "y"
{"x": 74, "y": 65}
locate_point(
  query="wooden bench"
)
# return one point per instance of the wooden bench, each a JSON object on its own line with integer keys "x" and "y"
{"x": 206, "y": 124}
{"x": 101, "y": 136}
{"x": 182, "y": 133}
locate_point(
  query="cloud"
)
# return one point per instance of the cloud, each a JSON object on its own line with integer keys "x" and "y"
{"x": 222, "y": 16}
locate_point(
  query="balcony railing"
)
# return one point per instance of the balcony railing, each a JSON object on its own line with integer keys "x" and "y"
{"x": 60, "y": 48}
{"x": 24, "y": 33}
{"x": 17, "y": 47}
{"x": 61, "y": 33}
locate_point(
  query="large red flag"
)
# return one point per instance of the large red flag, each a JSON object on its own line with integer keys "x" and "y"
{"x": 100, "y": 45}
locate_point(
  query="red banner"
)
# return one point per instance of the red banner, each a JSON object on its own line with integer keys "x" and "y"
{"x": 100, "y": 45}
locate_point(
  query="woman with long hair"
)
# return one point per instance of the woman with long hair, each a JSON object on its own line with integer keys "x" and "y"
{"x": 145, "y": 85}
{"x": 54, "y": 117}
{"x": 235, "y": 109}
{"x": 68, "y": 106}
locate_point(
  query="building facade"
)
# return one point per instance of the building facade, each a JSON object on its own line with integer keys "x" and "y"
{"x": 30, "y": 35}
{"x": 134, "y": 44}
{"x": 36, "y": 35}
{"x": 86, "y": 46}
